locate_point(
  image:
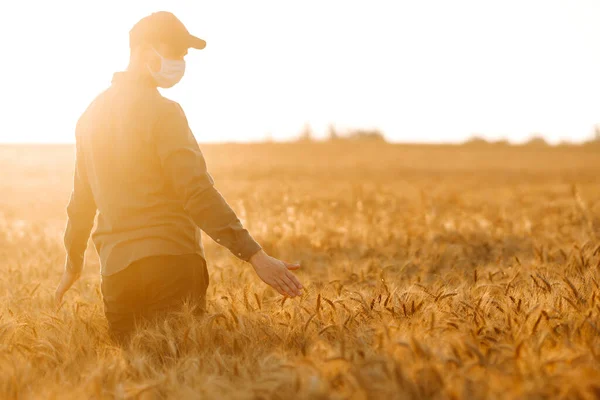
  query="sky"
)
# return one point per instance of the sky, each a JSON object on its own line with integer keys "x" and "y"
{"x": 419, "y": 71}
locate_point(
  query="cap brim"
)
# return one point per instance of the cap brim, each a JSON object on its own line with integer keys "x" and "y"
{"x": 196, "y": 43}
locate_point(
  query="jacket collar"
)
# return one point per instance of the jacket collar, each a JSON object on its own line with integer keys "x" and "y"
{"x": 133, "y": 79}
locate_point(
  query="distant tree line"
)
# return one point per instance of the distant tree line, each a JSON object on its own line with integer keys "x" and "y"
{"x": 333, "y": 135}
{"x": 536, "y": 140}
{"x": 375, "y": 135}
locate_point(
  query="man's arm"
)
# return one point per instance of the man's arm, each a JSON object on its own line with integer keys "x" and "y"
{"x": 185, "y": 168}
{"x": 81, "y": 212}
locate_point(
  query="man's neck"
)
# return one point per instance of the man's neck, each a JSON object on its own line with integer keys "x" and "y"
{"x": 137, "y": 68}
{"x": 139, "y": 72}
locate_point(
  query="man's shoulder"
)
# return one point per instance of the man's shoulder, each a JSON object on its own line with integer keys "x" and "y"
{"x": 171, "y": 108}
{"x": 168, "y": 103}
{"x": 92, "y": 106}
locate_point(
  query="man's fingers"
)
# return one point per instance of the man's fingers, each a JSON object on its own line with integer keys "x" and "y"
{"x": 289, "y": 290}
{"x": 294, "y": 279}
{"x": 291, "y": 284}
{"x": 281, "y": 291}
{"x": 292, "y": 266}
{"x": 277, "y": 286}
{"x": 286, "y": 287}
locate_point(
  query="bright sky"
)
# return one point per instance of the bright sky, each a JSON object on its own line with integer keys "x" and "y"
{"x": 421, "y": 71}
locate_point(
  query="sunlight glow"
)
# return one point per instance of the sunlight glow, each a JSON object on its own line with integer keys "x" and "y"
{"x": 427, "y": 71}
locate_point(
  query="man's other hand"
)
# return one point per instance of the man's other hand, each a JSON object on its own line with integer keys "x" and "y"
{"x": 67, "y": 280}
{"x": 277, "y": 274}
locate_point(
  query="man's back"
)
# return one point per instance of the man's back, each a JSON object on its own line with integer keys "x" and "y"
{"x": 139, "y": 213}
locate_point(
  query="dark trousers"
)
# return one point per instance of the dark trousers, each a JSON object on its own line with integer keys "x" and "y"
{"x": 152, "y": 288}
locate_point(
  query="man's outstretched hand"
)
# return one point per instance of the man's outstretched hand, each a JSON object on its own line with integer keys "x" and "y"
{"x": 277, "y": 274}
{"x": 67, "y": 280}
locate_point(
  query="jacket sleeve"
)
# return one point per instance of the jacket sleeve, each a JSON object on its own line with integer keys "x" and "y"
{"x": 81, "y": 212}
{"x": 185, "y": 169}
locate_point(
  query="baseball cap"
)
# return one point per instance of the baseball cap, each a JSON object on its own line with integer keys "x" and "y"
{"x": 163, "y": 26}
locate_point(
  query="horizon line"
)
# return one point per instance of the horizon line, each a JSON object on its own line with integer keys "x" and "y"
{"x": 475, "y": 141}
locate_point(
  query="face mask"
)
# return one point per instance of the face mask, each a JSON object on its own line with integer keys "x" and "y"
{"x": 170, "y": 73}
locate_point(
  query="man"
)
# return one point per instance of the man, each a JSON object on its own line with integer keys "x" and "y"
{"x": 139, "y": 166}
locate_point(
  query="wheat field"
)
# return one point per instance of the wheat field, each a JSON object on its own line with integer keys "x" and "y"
{"x": 430, "y": 272}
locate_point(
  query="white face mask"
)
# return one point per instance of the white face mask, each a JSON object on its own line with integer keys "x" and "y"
{"x": 170, "y": 73}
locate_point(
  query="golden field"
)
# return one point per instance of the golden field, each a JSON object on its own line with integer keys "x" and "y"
{"x": 430, "y": 272}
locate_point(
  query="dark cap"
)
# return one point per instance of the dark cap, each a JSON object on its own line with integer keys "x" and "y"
{"x": 163, "y": 27}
